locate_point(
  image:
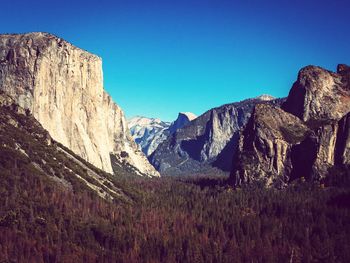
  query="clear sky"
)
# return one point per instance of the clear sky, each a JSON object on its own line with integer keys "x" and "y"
{"x": 162, "y": 57}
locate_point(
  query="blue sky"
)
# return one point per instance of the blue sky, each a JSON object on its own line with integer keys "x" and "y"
{"x": 162, "y": 57}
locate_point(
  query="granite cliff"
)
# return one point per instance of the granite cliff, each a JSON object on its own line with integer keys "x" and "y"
{"x": 207, "y": 142}
{"x": 307, "y": 137}
{"x": 26, "y": 148}
{"x": 62, "y": 86}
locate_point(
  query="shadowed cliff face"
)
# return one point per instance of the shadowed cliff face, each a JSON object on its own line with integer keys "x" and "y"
{"x": 208, "y": 141}
{"x": 62, "y": 86}
{"x": 342, "y": 147}
{"x": 314, "y": 124}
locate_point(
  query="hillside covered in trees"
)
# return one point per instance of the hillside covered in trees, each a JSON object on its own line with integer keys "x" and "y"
{"x": 170, "y": 220}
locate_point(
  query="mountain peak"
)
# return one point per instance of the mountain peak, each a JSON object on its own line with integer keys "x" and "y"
{"x": 191, "y": 116}
{"x": 182, "y": 120}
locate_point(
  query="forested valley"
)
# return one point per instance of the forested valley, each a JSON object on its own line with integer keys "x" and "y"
{"x": 171, "y": 220}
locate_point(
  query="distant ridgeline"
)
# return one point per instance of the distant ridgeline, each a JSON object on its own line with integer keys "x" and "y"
{"x": 208, "y": 143}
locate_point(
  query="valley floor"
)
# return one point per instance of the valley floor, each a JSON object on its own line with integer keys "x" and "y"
{"x": 171, "y": 220}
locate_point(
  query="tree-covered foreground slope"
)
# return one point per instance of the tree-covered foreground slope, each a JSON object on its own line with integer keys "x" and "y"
{"x": 54, "y": 207}
{"x": 171, "y": 221}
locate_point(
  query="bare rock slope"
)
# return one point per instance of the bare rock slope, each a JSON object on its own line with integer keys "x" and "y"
{"x": 307, "y": 137}
{"x": 62, "y": 86}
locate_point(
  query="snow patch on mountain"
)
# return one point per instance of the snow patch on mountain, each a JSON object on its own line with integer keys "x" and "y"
{"x": 148, "y": 133}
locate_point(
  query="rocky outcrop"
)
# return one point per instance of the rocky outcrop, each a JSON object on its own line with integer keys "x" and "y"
{"x": 62, "y": 86}
{"x": 267, "y": 146}
{"x": 318, "y": 107}
{"x": 207, "y": 141}
{"x": 319, "y": 96}
{"x": 322, "y": 100}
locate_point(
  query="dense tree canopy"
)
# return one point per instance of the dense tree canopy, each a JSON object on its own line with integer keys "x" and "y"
{"x": 169, "y": 220}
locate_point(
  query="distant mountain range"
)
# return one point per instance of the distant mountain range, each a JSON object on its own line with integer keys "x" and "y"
{"x": 193, "y": 144}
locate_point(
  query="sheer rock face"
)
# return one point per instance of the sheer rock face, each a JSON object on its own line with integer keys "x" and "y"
{"x": 267, "y": 145}
{"x": 322, "y": 100}
{"x": 62, "y": 86}
{"x": 208, "y": 141}
{"x": 318, "y": 107}
{"x": 342, "y": 153}
{"x": 333, "y": 141}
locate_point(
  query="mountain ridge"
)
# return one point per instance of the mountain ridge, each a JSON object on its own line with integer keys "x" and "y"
{"x": 207, "y": 142}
